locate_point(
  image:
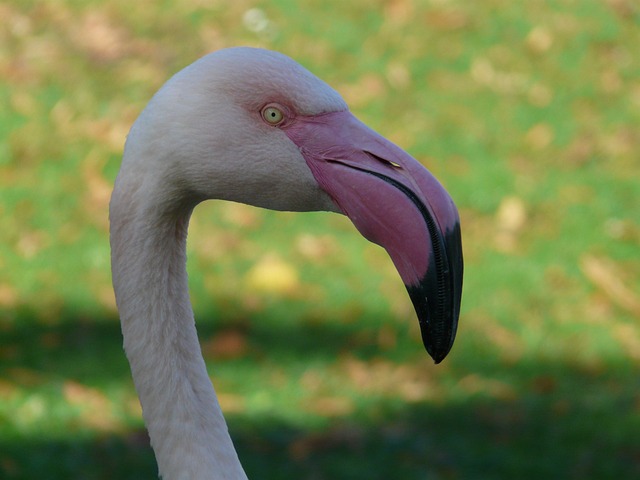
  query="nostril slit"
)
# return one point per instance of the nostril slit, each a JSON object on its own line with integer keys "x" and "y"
{"x": 380, "y": 159}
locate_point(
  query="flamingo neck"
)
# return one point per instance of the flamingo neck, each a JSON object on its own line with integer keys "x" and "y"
{"x": 181, "y": 411}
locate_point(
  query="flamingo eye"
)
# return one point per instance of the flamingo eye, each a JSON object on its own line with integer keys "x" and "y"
{"x": 272, "y": 115}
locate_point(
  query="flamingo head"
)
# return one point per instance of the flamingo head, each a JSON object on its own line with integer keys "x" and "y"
{"x": 253, "y": 126}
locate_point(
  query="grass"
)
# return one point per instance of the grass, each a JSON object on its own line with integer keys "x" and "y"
{"x": 529, "y": 113}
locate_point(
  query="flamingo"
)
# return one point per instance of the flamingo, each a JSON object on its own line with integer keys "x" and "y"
{"x": 253, "y": 126}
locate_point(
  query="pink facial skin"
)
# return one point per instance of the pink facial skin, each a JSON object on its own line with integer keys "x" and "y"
{"x": 397, "y": 203}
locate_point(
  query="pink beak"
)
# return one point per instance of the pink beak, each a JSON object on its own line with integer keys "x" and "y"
{"x": 395, "y": 202}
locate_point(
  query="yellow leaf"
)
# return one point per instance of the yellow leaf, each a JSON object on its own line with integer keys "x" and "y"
{"x": 273, "y": 275}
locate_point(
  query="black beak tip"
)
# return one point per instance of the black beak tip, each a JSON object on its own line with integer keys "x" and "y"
{"x": 437, "y": 344}
{"x": 438, "y": 325}
{"x": 438, "y": 296}
{"x": 438, "y": 354}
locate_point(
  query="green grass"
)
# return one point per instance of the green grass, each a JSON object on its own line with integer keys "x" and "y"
{"x": 529, "y": 113}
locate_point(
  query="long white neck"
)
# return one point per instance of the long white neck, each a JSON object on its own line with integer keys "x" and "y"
{"x": 180, "y": 408}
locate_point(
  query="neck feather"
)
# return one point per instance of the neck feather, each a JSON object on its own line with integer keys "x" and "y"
{"x": 180, "y": 408}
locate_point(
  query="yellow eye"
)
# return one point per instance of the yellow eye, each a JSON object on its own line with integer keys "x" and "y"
{"x": 272, "y": 115}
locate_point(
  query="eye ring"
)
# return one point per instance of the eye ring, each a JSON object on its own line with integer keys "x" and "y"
{"x": 273, "y": 114}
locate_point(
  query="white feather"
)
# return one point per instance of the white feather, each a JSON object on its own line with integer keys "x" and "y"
{"x": 200, "y": 137}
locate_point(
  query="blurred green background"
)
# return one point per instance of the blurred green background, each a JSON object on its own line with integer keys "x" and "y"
{"x": 528, "y": 112}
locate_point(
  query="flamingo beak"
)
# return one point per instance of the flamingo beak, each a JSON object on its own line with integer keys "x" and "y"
{"x": 394, "y": 202}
